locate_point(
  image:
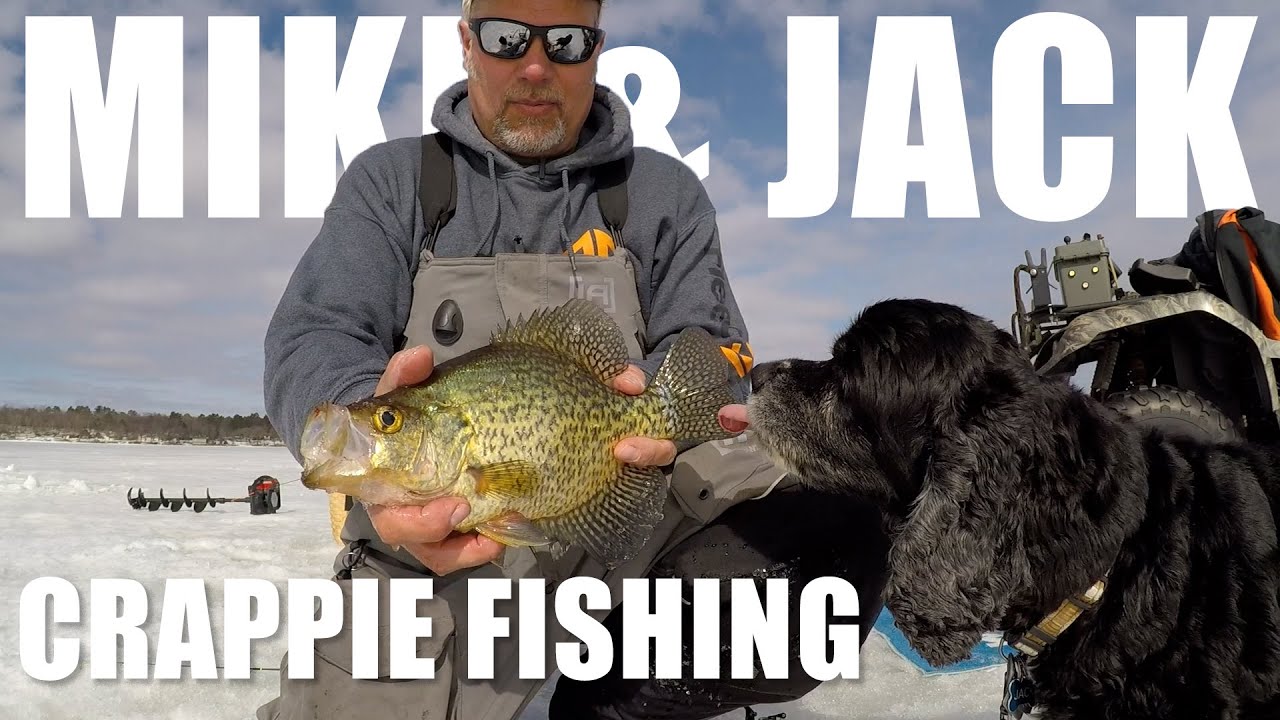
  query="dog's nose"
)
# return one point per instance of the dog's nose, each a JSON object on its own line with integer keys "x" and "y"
{"x": 761, "y": 373}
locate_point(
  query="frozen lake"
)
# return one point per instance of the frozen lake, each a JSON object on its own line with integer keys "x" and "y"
{"x": 65, "y": 515}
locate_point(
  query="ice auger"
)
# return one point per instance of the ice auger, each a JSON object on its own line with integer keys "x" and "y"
{"x": 263, "y": 499}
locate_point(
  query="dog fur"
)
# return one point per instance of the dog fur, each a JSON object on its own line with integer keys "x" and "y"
{"x": 1005, "y": 492}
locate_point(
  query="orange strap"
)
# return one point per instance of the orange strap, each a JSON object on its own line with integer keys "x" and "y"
{"x": 1267, "y": 319}
{"x": 739, "y": 357}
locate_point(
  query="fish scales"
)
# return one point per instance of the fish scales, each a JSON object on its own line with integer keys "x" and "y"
{"x": 524, "y": 429}
{"x": 534, "y": 405}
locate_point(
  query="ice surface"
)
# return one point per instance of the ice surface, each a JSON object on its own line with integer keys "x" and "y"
{"x": 65, "y": 515}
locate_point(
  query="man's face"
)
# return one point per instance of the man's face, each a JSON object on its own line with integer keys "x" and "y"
{"x": 530, "y": 106}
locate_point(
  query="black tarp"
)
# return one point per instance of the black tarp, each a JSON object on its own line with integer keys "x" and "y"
{"x": 1236, "y": 255}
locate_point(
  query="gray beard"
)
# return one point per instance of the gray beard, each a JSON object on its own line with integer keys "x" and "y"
{"x": 527, "y": 141}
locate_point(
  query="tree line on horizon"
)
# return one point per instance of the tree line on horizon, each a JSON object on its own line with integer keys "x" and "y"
{"x": 103, "y": 423}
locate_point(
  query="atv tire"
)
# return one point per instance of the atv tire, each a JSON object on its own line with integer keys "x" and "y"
{"x": 1176, "y": 412}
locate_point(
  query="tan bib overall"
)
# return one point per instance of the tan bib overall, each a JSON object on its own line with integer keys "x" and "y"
{"x": 478, "y": 295}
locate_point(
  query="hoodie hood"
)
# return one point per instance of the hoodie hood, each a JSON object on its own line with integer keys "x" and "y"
{"x": 522, "y": 191}
{"x": 605, "y": 136}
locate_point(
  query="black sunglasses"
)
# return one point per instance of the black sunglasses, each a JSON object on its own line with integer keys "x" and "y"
{"x": 509, "y": 39}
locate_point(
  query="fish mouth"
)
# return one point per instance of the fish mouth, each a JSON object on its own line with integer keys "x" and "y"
{"x": 335, "y": 453}
{"x": 376, "y": 487}
{"x": 338, "y": 456}
{"x": 325, "y": 435}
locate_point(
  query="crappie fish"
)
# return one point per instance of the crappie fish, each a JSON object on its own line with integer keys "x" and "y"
{"x": 524, "y": 429}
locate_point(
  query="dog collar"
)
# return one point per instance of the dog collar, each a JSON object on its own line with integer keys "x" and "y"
{"x": 1019, "y": 696}
{"x": 1034, "y": 641}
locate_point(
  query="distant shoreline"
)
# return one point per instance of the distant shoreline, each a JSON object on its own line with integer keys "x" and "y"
{"x": 135, "y": 441}
{"x": 82, "y": 423}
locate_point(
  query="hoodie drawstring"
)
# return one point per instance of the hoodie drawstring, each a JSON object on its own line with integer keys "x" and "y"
{"x": 564, "y": 225}
{"x": 497, "y": 206}
{"x": 491, "y": 243}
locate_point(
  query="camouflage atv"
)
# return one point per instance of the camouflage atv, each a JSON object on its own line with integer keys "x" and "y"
{"x": 1171, "y": 352}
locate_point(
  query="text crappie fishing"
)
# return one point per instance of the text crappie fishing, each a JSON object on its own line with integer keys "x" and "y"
{"x": 313, "y": 611}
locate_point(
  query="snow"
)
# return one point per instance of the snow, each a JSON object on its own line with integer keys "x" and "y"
{"x": 65, "y": 515}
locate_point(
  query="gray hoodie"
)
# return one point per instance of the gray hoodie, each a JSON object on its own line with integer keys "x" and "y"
{"x": 344, "y": 310}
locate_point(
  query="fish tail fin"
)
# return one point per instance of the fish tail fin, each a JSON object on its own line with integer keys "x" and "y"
{"x": 693, "y": 383}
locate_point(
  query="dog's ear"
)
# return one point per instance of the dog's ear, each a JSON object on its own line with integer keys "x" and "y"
{"x": 951, "y": 574}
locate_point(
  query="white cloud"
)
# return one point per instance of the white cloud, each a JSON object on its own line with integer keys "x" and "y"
{"x": 170, "y": 314}
{"x": 155, "y": 302}
{"x": 629, "y": 22}
{"x": 625, "y": 21}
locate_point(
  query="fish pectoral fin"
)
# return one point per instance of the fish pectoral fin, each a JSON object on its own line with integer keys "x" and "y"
{"x": 615, "y": 524}
{"x": 510, "y": 479}
{"x": 513, "y": 529}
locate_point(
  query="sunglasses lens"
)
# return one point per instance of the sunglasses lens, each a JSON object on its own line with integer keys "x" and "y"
{"x": 504, "y": 39}
{"x": 508, "y": 39}
{"x": 570, "y": 44}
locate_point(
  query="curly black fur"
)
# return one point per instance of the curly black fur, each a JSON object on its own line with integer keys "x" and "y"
{"x": 1005, "y": 493}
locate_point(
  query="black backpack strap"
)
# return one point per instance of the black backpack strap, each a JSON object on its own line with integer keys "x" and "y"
{"x": 611, "y": 192}
{"x": 437, "y": 185}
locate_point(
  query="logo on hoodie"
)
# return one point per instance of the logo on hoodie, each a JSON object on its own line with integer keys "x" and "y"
{"x": 740, "y": 357}
{"x": 594, "y": 242}
{"x": 601, "y": 293}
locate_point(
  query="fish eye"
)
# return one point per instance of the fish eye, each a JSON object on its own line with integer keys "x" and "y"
{"x": 388, "y": 420}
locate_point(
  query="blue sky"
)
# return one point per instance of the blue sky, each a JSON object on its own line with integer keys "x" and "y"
{"x": 160, "y": 315}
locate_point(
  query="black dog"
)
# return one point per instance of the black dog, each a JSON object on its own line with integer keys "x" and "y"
{"x": 1006, "y": 493}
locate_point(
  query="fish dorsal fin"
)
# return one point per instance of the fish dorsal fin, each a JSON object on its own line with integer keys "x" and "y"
{"x": 579, "y": 329}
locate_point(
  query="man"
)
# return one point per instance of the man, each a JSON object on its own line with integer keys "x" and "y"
{"x": 385, "y": 292}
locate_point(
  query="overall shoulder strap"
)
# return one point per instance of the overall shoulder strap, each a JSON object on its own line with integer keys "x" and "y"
{"x": 612, "y": 193}
{"x": 437, "y": 185}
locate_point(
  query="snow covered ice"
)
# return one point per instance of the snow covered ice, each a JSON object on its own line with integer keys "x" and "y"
{"x": 65, "y": 515}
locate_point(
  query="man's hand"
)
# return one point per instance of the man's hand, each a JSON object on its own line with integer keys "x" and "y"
{"x": 640, "y": 450}
{"x": 426, "y": 531}
{"x": 409, "y": 366}
{"x": 647, "y": 451}
{"x": 734, "y": 418}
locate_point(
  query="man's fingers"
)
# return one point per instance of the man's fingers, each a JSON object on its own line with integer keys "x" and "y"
{"x": 456, "y": 553}
{"x": 733, "y": 418}
{"x": 426, "y": 531}
{"x": 406, "y": 367}
{"x": 433, "y": 522}
{"x": 630, "y": 381}
{"x": 645, "y": 451}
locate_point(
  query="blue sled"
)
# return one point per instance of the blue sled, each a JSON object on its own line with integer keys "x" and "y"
{"x": 986, "y": 654}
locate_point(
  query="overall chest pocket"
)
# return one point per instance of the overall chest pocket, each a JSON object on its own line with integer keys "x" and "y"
{"x": 530, "y": 281}
{"x": 455, "y": 306}
{"x": 710, "y": 478}
{"x": 459, "y": 302}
